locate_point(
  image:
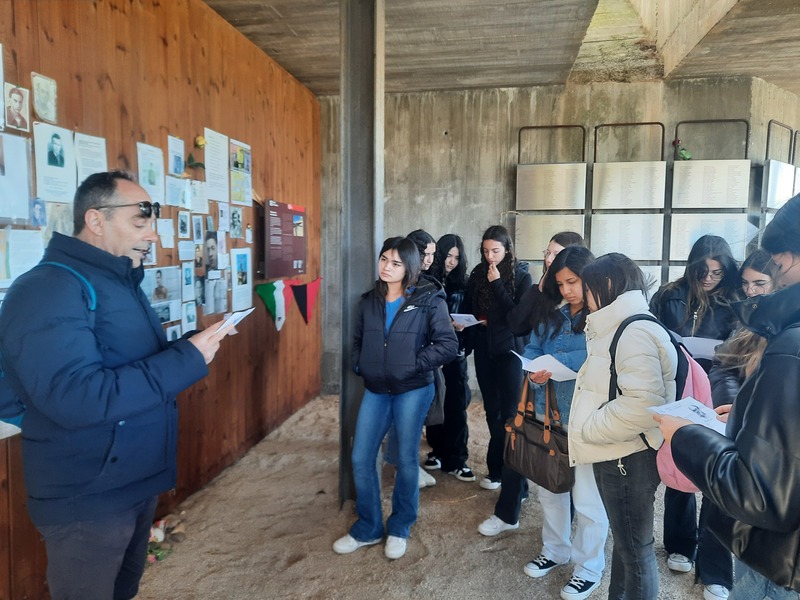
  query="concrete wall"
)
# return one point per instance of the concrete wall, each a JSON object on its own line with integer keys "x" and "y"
{"x": 451, "y": 156}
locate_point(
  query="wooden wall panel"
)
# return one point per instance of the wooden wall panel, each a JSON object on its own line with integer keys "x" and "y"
{"x": 138, "y": 70}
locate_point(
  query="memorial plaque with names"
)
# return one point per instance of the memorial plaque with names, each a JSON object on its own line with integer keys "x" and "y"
{"x": 533, "y": 232}
{"x": 551, "y": 187}
{"x": 711, "y": 184}
{"x": 687, "y": 229}
{"x": 637, "y": 236}
{"x": 629, "y": 184}
{"x": 780, "y": 182}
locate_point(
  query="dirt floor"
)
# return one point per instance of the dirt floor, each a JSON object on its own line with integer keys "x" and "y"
{"x": 264, "y": 529}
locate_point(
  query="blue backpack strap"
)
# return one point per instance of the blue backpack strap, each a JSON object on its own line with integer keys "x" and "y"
{"x": 12, "y": 409}
{"x": 92, "y": 306}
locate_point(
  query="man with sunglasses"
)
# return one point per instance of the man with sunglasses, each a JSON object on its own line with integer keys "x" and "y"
{"x": 84, "y": 350}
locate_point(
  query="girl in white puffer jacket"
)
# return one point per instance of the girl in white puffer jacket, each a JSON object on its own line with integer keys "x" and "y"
{"x": 607, "y": 433}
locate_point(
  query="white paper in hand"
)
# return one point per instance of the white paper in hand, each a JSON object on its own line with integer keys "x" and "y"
{"x": 234, "y": 318}
{"x": 692, "y": 410}
{"x": 548, "y": 362}
{"x": 465, "y": 320}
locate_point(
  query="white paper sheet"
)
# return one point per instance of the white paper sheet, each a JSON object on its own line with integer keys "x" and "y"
{"x": 548, "y": 362}
{"x": 242, "y": 279}
{"x": 692, "y": 410}
{"x": 90, "y": 155}
{"x": 465, "y": 320}
{"x": 175, "y": 150}
{"x": 700, "y": 347}
{"x": 151, "y": 170}
{"x": 216, "y": 161}
{"x": 14, "y": 176}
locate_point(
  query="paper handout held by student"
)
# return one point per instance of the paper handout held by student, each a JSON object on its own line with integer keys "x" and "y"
{"x": 692, "y": 410}
{"x": 234, "y": 318}
{"x": 465, "y": 320}
{"x": 548, "y": 362}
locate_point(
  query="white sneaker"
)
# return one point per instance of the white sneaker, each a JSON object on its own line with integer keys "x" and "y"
{"x": 348, "y": 544}
{"x": 489, "y": 484}
{"x": 395, "y": 547}
{"x": 425, "y": 479}
{"x": 715, "y": 592}
{"x": 494, "y": 525}
{"x": 679, "y": 563}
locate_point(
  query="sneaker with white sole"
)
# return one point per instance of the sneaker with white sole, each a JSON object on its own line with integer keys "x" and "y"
{"x": 495, "y": 525}
{"x": 463, "y": 474}
{"x": 348, "y": 544}
{"x": 715, "y": 592}
{"x": 432, "y": 463}
{"x": 488, "y": 483}
{"x": 425, "y": 480}
{"x": 679, "y": 563}
{"x": 578, "y": 588}
{"x": 540, "y": 566}
{"x": 395, "y": 547}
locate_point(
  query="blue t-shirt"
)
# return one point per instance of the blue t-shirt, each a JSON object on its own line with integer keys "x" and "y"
{"x": 391, "y": 312}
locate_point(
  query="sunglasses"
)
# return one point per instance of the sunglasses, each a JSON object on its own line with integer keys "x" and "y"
{"x": 146, "y": 208}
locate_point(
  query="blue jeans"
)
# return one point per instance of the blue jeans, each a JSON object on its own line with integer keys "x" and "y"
{"x": 99, "y": 559}
{"x": 406, "y": 412}
{"x": 751, "y": 585}
{"x": 627, "y": 487}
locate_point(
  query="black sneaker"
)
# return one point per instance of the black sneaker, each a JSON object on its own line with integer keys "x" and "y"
{"x": 463, "y": 474}
{"x": 539, "y": 566}
{"x": 578, "y": 588}
{"x": 432, "y": 463}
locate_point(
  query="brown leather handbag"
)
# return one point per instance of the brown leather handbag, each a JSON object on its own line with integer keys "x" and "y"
{"x": 539, "y": 450}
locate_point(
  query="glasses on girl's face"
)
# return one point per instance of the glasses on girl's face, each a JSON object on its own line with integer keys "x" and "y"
{"x": 146, "y": 208}
{"x": 757, "y": 287}
{"x": 547, "y": 254}
{"x": 714, "y": 275}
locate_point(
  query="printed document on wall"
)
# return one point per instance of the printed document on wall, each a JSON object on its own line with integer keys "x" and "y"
{"x": 90, "y": 154}
{"x": 241, "y": 279}
{"x": 151, "y": 170}
{"x": 54, "y": 151}
{"x": 15, "y": 172}
{"x": 216, "y": 166}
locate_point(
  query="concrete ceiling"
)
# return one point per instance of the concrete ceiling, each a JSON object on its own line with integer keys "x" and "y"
{"x": 459, "y": 44}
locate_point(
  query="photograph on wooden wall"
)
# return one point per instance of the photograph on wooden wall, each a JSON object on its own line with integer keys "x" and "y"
{"x": 236, "y": 223}
{"x": 223, "y": 216}
{"x": 189, "y": 316}
{"x": 173, "y": 333}
{"x": 183, "y": 224}
{"x": 45, "y": 91}
{"x": 210, "y": 252}
{"x": 162, "y": 283}
{"x": 199, "y": 290}
{"x": 54, "y": 156}
{"x": 175, "y": 150}
{"x": 197, "y": 229}
{"x": 38, "y": 213}
{"x": 216, "y": 295}
{"x": 241, "y": 279}
{"x": 17, "y": 110}
{"x": 187, "y": 273}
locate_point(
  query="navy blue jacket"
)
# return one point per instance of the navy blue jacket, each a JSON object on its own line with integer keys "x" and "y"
{"x": 100, "y": 429}
{"x": 420, "y": 339}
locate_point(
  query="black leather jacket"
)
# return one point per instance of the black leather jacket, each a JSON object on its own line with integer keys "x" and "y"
{"x": 752, "y": 476}
{"x": 420, "y": 339}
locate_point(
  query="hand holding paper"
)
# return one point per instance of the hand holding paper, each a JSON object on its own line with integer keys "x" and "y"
{"x": 465, "y": 320}
{"x": 234, "y": 318}
{"x": 694, "y": 411}
{"x": 548, "y": 362}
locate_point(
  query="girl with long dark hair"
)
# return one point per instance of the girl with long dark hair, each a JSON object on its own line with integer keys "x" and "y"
{"x": 402, "y": 333}
{"x": 494, "y": 288}
{"x": 448, "y": 441}
{"x": 698, "y": 305}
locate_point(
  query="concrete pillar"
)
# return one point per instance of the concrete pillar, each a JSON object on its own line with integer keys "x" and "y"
{"x": 361, "y": 151}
